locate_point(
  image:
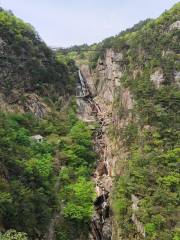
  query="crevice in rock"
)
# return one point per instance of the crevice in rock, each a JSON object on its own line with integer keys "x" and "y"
{"x": 100, "y": 228}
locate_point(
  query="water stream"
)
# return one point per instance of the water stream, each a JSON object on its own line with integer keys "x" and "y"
{"x": 100, "y": 228}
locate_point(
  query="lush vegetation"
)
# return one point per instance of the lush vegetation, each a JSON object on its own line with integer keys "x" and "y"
{"x": 38, "y": 178}
{"x": 13, "y": 235}
{"x": 151, "y": 136}
{"x": 77, "y": 191}
{"x": 27, "y": 64}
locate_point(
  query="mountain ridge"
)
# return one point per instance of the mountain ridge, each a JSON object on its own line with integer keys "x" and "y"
{"x": 120, "y": 140}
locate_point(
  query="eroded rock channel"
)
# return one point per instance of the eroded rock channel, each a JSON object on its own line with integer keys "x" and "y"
{"x": 89, "y": 111}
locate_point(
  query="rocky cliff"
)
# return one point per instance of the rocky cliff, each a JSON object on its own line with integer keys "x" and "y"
{"x": 103, "y": 84}
{"x": 30, "y": 72}
{"x": 127, "y": 100}
{"x": 135, "y": 86}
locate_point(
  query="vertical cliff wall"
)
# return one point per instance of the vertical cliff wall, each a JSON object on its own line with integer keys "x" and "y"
{"x": 136, "y": 88}
{"x": 135, "y": 83}
{"x": 105, "y": 86}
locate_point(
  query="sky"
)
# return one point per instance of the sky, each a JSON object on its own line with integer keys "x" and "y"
{"x": 64, "y": 23}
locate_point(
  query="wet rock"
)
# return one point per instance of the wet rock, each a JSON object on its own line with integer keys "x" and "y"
{"x": 88, "y": 76}
{"x": 96, "y": 228}
{"x": 101, "y": 169}
{"x": 88, "y": 108}
{"x": 84, "y": 110}
{"x": 107, "y": 230}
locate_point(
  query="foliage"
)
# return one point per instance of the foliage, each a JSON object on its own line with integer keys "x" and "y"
{"x": 79, "y": 205}
{"x": 29, "y": 62}
{"x": 29, "y": 171}
{"x": 78, "y": 190}
{"x": 26, "y": 175}
{"x": 152, "y": 137}
{"x": 13, "y": 235}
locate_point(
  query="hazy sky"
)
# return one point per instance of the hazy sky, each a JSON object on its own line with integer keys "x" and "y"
{"x": 69, "y": 22}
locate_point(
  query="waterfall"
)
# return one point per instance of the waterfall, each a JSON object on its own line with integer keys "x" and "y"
{"x": 84, "y": 89}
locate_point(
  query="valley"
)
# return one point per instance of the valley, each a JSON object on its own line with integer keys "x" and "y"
{"x": 89, "y": 135}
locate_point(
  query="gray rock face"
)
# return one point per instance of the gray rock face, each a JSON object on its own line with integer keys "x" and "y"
{"x": 157, "y": 78}
{"x": 107, "y": 230}
{"x": 2, "y": 46}
{"x": 102, "y": 84}
{"x": 84, "y": 110}
{"x": 106, "y": 78}
{"x": 135, "y": 208}
{"x": 175, "y": 25}
{"x": 31, "y": 103}
{"x": 35, "y": 105}
{"x": 177, "y": 78}
{"x": 89, "y": 79}
{"x": 127, "y": 101}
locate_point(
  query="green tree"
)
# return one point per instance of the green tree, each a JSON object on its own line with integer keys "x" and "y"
{"x": 80, "y": 196}
{"x": 13, "y": 235}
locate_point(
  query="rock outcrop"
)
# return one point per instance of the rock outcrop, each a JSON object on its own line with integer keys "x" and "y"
{"x": 157, "y": 78}
{"x": 175, "y": 25}
{"x": 177, "y": 78}
{"x": 102, "y": 84}
{"x": 88, "y": 111}
{"x": 29, "y": 103}
{"x": 135, "y": 208}
{"x": 29, "y": 70}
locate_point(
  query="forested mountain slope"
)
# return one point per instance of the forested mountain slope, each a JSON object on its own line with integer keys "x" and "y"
{"x": 134, "y": 77}
{"x": 40, "y": 180}
{"x": 29, "y": 67}
{"x": 46, "y": 188}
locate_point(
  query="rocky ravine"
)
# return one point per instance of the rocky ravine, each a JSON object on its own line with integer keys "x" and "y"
{"x": 95, "y": 98}
{"x": 103, "y": 86}
{"x": 89, "y": 111}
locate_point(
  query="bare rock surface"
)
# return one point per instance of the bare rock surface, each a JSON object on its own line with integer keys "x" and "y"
{"x": 175, "y": 25}
{"x": 157, "y": 78}
{"x": 177, "y": 78}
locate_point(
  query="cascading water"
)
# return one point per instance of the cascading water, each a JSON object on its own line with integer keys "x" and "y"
{"x": 84, "y": 89}
{"x": 100, "y": 228}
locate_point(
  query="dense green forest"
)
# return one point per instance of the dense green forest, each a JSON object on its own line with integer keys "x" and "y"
{"x": 38, "y": 179}
{"x": 152, "y": 135}
{"x": 28, "y": 65}
{"x": 30, "y": 170}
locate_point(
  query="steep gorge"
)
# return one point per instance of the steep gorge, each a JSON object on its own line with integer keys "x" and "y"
{"x": 134, "y": 87}
{"x": 120, "y": 131}
{"x": 91, "y": 112}
{"x": 100, "y": 99}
